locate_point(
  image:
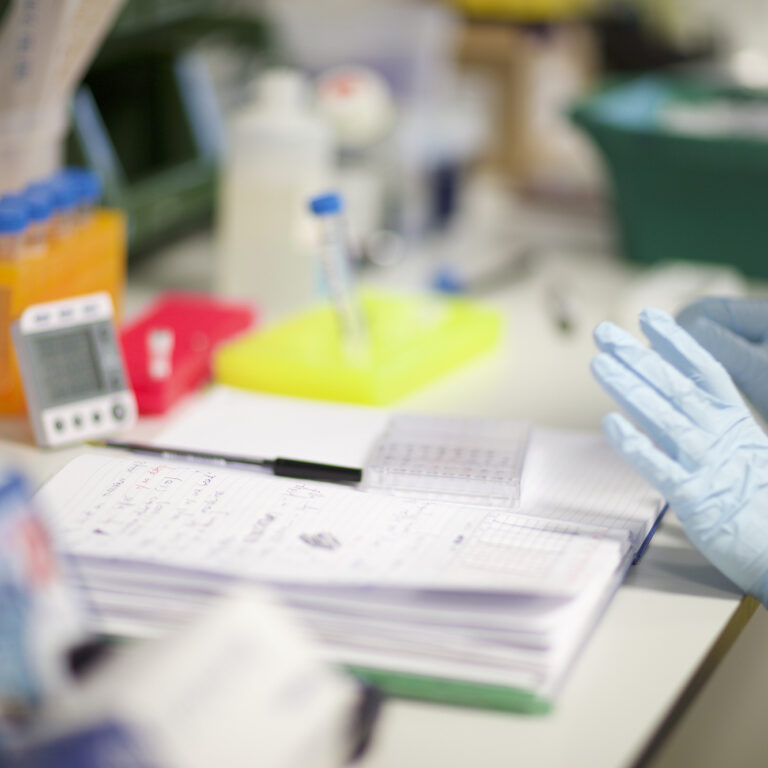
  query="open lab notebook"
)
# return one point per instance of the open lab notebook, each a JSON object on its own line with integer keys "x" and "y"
{"x": 475, "y": 605}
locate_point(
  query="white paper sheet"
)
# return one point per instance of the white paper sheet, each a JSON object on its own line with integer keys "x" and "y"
{"x": 572, "y": 479}
{"x": 418, "y": 586}
{"x": 285, "y": 531}
{"x": 233, "y": 421}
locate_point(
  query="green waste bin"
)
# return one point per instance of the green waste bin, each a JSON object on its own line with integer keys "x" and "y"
{"x": 677, "y": 194}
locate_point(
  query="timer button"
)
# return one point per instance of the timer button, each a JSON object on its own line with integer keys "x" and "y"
{"x": 118, "y": 411}
{"x": 77, "y": 421}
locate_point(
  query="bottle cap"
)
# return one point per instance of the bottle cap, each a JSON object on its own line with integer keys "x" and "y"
{"x": 282, "y": 88}
{"x": 86, "y": 184}
{"x": 14, "y": 215}
{"x": 358, "y": 104}
{"x": 91, "y": 187}
{"x": 328, "y": 203}
{"x": 39, "y": 200}
{"x": 64, "y": 190}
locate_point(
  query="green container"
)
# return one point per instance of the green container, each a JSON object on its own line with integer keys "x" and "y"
{"x": 681, "y": 195}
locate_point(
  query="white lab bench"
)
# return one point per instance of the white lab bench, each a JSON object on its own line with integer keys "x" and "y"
{"x": 669, "y": 624}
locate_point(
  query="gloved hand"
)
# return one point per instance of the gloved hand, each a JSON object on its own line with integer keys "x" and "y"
{"x": 735, "y": 332}
{"x": 701, "y": 448}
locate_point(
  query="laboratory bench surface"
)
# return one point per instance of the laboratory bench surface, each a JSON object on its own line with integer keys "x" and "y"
{"x": 669, "y": 624}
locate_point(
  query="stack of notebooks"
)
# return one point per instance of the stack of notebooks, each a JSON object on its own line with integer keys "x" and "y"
{"x": 483, "y": 604}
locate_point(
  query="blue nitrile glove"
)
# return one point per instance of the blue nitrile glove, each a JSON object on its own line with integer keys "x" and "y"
{"x": 701, "y": 448}
{"x": 735, "y": 332}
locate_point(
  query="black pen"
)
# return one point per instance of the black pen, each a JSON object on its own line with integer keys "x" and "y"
{"x": 304, "y": 470}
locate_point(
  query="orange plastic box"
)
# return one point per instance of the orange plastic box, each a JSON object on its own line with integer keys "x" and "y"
{"x": 91, "y": 259}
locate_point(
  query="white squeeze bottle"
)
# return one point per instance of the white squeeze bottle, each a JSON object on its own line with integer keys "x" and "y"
{"x": 280, "y": 153}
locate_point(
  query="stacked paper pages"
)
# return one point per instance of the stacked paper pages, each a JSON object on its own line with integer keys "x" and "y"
{"x": 472, "y": 604}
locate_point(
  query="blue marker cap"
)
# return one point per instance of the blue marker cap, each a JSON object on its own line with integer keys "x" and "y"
{"x": 14, "y": 215}
{"x": 86, "y": 183}
{"x": 328, "y": 203}
{"x": 39, "y": 200}
{"x": 91, "y": 187}
{"x": 14, "y": 198}
{"x": 65, "y": 195}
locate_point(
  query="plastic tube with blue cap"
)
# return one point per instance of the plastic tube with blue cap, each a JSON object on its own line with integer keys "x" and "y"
{"x": 334, "y": 263}
{"x": 65, "y": 198}
{"x": 39, "y": 201}
{"x": 14, "y": 218}
{"x": 87, "y": 189}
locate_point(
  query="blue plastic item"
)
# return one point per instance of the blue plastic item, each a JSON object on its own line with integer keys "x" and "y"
{"x": 105, "y": 744}
{"x": 20, "y": 684}
{"x": 39, "y": 203}
{"x": 14, "y": 216}
{"x": 65, "y": 193}
{"x": 86, "y": 185}
{"x": 328, "y": 203}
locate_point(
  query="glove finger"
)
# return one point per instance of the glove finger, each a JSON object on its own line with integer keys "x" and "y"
{"x": 670, "y": 429}
{"x": 686, "y": 492}
{"x": 663, "y": 473}
{"x": 746, "y": 317}
{"x": 747, "y": 364}
{"x": 682, "y": 351}
{"x": 677, "y": 391}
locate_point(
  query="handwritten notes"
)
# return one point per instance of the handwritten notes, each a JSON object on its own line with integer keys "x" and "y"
{"x": 418, "y": 586}
{"x": 254, "y": 526}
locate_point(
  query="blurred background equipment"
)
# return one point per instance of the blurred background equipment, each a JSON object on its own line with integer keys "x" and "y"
{"x": 45, "y": 47}
{"x": 55, "y": 243}
{"x": 358, "y": 105}
{"x": 148, "y": 118}
{"x": 169, "y": 347}
{"x": 524, "y": 11}
{"x": 688, "y": 160}
{"x": 414, "y": 339}
{"x": 409, "y": 109}
{"x": 560, "y": 157}
{"x": 536, "y": 72}
{"x": 239, "y": 682}
{"x": 279, "y": 154}
{"x": 439, "y": 121}
{"x": 333, "y": 262}
{"x": 72, "y": 367}
{"x": 40, "y": 617}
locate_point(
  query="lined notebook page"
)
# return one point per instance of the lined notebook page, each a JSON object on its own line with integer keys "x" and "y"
{"x": 279, "y": 530}
{"x": 569, "y": 480}
{"x": 577, "y": 477}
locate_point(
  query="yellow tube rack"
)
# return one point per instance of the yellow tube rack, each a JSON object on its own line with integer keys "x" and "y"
{"x": 413, "y": 340}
